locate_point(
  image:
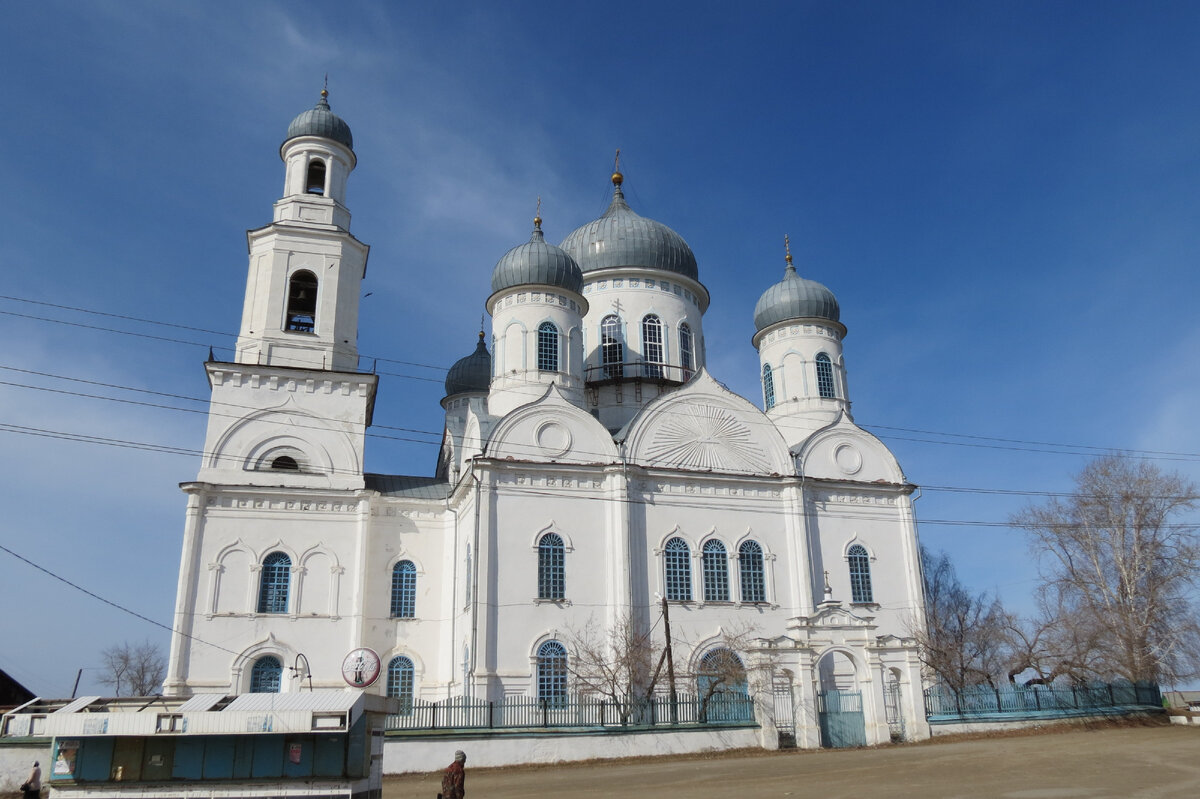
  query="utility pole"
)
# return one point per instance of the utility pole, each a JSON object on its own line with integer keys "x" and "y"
{"x": 670, "y": 663}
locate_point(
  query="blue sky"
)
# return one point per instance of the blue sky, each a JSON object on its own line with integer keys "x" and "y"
{"x": 1003, "y": 197}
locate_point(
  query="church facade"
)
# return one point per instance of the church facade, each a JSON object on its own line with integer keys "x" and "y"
{"x": 592, "y": 474}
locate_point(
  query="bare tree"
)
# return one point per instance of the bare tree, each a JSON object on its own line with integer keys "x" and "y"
{"x": 720, "y": 672}
{"x": 965, "y": 638}
{"x": 1118, "y": 566}
{"x": 138, "y": 668}
{"x": 617, "y": 663}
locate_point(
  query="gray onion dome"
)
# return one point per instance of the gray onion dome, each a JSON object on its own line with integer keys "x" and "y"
{"x": 320, "y": 121}
{"x": 537, "y": 263}
{"x": 472, "y": 373}
{"x": 623, "y": 238}
{"x": 795, "y": 297}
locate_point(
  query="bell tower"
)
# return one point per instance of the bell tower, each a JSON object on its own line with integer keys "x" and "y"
{"x": 306, "y": 269}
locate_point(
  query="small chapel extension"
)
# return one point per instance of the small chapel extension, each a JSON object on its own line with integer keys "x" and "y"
{"x": 589, "y": 467}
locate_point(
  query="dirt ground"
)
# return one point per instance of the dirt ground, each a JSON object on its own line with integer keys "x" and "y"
{"x": 1151, "y": 761}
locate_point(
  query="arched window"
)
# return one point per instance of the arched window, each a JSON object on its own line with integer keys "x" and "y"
{"x": 285, "y": 463}
{"x": 551, "y": 577}
{"x": 612, "y": 348}
{"x": 404, "y": 590}
{"x": 547, "y": 347}
{"x": 768, "y": 387}
{"x": 552, "y": 673}
{"x": 750, "y": 565}
{"x": 652, "y": 346}
{"x": 721, "y": 671}
{"x": 716, "y": 572}
{"x": 315, "y": 184}
{"x": 678, "y": 565}
{"x": 687, "y": 361}
{"x": 302, "y": 303}
{"x": 860, "y": 574}
{"x": 273, "y": 588}
{"x": 400, "y": 683}
{"x": 264, "y": 677}
{"x": 825, "y": 376}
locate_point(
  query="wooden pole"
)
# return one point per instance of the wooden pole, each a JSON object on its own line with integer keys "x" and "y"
{"x": 670, "y": 664}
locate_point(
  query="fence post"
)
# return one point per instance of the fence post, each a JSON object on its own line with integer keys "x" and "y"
{"x": 545, "y": 714}
{"x": 433, "y": 725}
{"x": 491, "y": 714}
{"x": 1112, "y": 700}
{"x": 999, "y": 707}
{"x": 1075, "y": 695}
{"x": 1037, "y": 698}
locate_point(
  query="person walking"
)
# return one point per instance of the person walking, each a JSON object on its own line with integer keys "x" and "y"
{"x": 32, "y": 787}
{"x": 454, "y": 778}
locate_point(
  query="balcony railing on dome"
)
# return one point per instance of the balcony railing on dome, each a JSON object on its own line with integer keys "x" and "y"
{"x": 523, "y": 712}
{"x": 637, "y": 370}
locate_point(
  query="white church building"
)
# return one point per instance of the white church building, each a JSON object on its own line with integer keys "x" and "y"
{"x": 590, "y": 467}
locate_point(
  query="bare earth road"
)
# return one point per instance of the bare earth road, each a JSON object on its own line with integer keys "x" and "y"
{"x": 1160, "y": 761}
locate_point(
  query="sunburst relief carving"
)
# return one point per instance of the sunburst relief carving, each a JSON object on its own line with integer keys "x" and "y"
{"x": 705, "y": 437}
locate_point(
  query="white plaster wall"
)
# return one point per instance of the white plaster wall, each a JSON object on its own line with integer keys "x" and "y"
{"x": 516, "y": 316}
{"x": 16, "y": 761}
{"x": 408, "y": 755}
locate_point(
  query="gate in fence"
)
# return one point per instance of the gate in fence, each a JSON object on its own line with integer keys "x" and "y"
{"x": 840, "y": 715}
{"x": 785, "y": 714}
{"x": 893, "y": 710}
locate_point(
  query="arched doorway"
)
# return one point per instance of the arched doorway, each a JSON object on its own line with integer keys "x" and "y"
{"x": 892, "y": 705}
{"x": 839, "y": 702}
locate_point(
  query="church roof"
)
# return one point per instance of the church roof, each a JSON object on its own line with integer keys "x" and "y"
{"x": 621, "y": 237}
{"x": 406, "y": 486}
{"x": 321, "y": 121}
{"x": 472, "y": 373}
{"x": 795, "y": 297}
{"x": 537, "y": 263}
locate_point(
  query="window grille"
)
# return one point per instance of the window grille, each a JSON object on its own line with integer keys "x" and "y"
{"x": 302, "y": 303}
{"x": 264, "y": 677}
{"x": 400, "y": 683}
{"x": 273, "y": 589}
{"x": 860, "y": 574}
{"x": 652, "y": 346}
{"x": 404, "y": 590}
{"x": 825, "y": 376}
{"x": 750, "y": 563}
{"x": 686, "y": 360}
{"x": 612, "y": 348}
{"x": 678, "y": 564}
{"x": 547, "y": 347}
{"x": 551, "y": 576}
{"x": 768, "y": 386}
{"x": 552, "y": 673}
{"x": 716, "y": 572}
{"x": 721, "y": 671}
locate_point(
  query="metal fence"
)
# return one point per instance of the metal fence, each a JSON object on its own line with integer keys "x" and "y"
{"x": 517, "y": 712}
{"x": 1038, "y": 699}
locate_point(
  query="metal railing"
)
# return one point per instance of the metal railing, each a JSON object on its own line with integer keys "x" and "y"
{"x": 1038, "y": 699}
{"x": 523, "y": 712}
{"x": 637, "y": 370}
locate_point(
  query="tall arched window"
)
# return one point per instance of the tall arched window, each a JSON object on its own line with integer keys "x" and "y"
{"x": 547, "y": 347}
{"x": 400, "y": 683}
{"x": 265, "y": 676}
{"x": 273, "y": 586}
{"x": 404, "y": 590}
{"x": 825, "y": 376}
{"x": 721, "y": 671}
{"x": 612, "y": 347}
{"x": 652, "y": 346}
{"x": 678, "y": 565}
{"x": 687, "y": 360}
{"x": 860, "y": 574}
{"x": 768, "y": 387}
{"x": 315, "y": 184}
{"x": 551, "y": 577}
{"x": 552, "y": 673}
{"x": 302, "y": 303}
{"x": 716, "y": 572}
{"x": 750, "y": 567}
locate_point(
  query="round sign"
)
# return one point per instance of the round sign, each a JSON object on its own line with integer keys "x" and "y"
{"x": 361, "y": 667}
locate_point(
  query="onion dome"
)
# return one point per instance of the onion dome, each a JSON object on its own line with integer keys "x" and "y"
{"x": 472, "y": 373}
{"x": 320, "y": 121}
{"x": 623, "y": 238}
{"x": 795, "y": 297}
{"x": 536, "y": 263}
